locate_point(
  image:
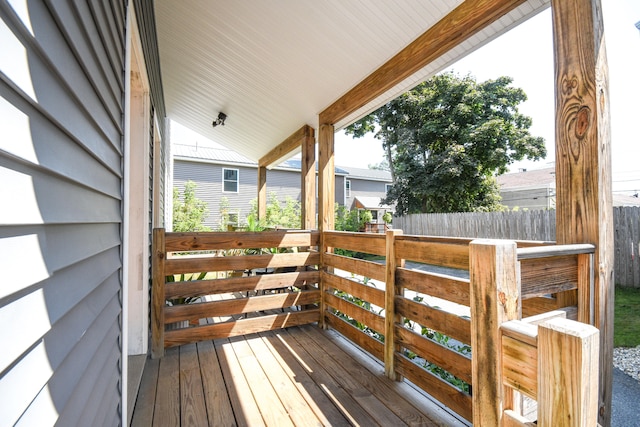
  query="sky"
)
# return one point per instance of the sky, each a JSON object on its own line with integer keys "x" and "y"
{"x": 526, "y": 54}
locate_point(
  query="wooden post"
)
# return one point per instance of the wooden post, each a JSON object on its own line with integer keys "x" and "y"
{"x": 495, "y": 298}
{"x": 583, "y": 160}
{"x": 308, "y": 184}
{"x": 157, "y": 294}
{"x": 390, "y": 316}
{"x": 262, "y": 192}
{"x": 326, "y": 178}
{"x": 567, "y": 374}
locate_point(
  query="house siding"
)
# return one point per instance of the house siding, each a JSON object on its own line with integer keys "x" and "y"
{"x": 61, "y": 92}
{"x": 365, "y": 188}
{"x": 208, "y": 179}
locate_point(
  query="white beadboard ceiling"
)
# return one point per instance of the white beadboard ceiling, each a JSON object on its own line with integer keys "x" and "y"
{"x": 274, "y": 65}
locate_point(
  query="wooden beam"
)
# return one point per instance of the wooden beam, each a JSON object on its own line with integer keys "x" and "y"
{"x": 157, "y": 293}
{"x": 287, "y": 146}
{"x": 495, "y": 299}
{"x": 583, "y": 160}
{"x": 326, "y": 178}
{"x": 463, "y": 22}
{"x": 308, "y": 184}
{"x": 567, "y": 373}
{"x": 262, "y": 192}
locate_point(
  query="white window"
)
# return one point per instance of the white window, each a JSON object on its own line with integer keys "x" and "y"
{"x": 387, "y": 188}
{"x": 230, "y": 180}
{"x": 347, "y": 188}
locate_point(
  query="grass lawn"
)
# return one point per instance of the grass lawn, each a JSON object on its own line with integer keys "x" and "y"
{"x": 626, "y": 332}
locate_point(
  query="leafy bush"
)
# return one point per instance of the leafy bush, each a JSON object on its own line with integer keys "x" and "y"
{"x": 189, "y": 212}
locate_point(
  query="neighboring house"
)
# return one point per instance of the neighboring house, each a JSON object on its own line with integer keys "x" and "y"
{"x": 365, "y": 188}
{"x": 536, "y": 189}
{"x": 529, "y": 189}
{"x": 227, "y": 180}
{"x": 222, "y": 174}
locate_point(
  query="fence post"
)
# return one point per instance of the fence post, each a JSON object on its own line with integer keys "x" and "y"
{"x": 495, "y": 298}
{"x": 568, "y": 370}
{"x": 157, "y": 293}
{"x": 390, "y": 319}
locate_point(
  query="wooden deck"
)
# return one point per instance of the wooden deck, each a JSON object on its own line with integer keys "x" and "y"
{"x": 300, "y": 376}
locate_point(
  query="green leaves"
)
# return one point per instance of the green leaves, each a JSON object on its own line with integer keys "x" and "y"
{"x": 446, "y": 140}
{"x": 189, "y": 212}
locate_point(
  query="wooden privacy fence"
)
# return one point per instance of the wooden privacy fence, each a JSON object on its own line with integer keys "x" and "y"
{"x": 532, "y": 225}
{"x": 462, "y": 340}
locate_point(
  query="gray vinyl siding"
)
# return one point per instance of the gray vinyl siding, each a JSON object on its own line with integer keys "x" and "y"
{"x": 365, "y": 188}
{"x": 529, "y": 198}
{"x": 61, "y": 98}
{"x": 208, "y": 179}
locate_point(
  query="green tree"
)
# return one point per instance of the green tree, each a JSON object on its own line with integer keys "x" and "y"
{"x": 278, "y": 215}
{"x": 447, "y": 139}
{"x": 189, "y": 212}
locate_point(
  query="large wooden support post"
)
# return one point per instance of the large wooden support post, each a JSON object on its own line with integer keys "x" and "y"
{"x": 390, "y": 316}
{"x": 326, "y": 178}
{"x": 157, "y": 294}
{"x": 308, "y": 184}
{"x": 583, "y": 160}
{"x": 567, "y": 374}
{"x": 495, "y": 298}
{"x": 262, "y": 192}
{"x": 326, "y": 199}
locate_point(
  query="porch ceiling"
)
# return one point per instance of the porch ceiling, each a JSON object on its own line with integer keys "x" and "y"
{"x": 273, "y": 66}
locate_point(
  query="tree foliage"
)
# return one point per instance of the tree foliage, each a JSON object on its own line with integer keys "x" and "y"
{"x": 278, "y": 215}
{"x": 189, "y": 212}
{"x": 447, "y": 139}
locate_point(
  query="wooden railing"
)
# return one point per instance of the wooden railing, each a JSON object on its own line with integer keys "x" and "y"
{"x": 463, "y": 323}
{"x": 228, "y": 276}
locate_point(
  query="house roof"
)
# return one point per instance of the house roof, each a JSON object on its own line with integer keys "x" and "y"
{"x": 369, "y": 203}
{"x": 538, "y": 178}
{"x": 368, "y": 174}
{"x": 230, "y": 157}
{"x": 274, "y": 66}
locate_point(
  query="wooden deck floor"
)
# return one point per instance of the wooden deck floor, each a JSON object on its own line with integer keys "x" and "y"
{"x": 301, "y": 376}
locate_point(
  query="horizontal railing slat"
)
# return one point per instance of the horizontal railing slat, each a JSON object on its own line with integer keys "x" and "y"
{"x": 188, "y": 242}
{"x": 455, "y": 399}
{"x": 240, "y": 327}
{"x": 232, "y": 306}
{"x": 450, "y": 288}
{"x": 240, "y": 284}
{"x": 187, "y": 264}
{"x": 364, "y": 292}
{"x": 360, "y": 314}
{"x": 453, "y": 255}
{"x": 370, "y": 269}
{"x": 357, "y": 242}
{"x": 439, "y": 320}
{"x": 544, "y": 276}
{"x": 367, "y": 342}
{"x": 449, "y": 360}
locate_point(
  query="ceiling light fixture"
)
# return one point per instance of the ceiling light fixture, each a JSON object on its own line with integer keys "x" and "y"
{"x": 220, "y": 120}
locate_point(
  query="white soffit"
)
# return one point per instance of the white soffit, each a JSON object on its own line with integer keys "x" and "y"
{"x": 273, "y": 66}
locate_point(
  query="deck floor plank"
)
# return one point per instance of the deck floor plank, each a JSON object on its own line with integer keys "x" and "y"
{"x": 354, "y": 386}
{"x": 326, "y": 412}
{"x": 301, "y": 376}
{"x": 192, "y": 405}
{"x": 167, "y": 409}
{"x": 378, "y": 385}
{"x": 244, "y": 405}
{"x": 219, "y": 410}
{"x": 293, "y": 401}
{"x": 272, "y": 410}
